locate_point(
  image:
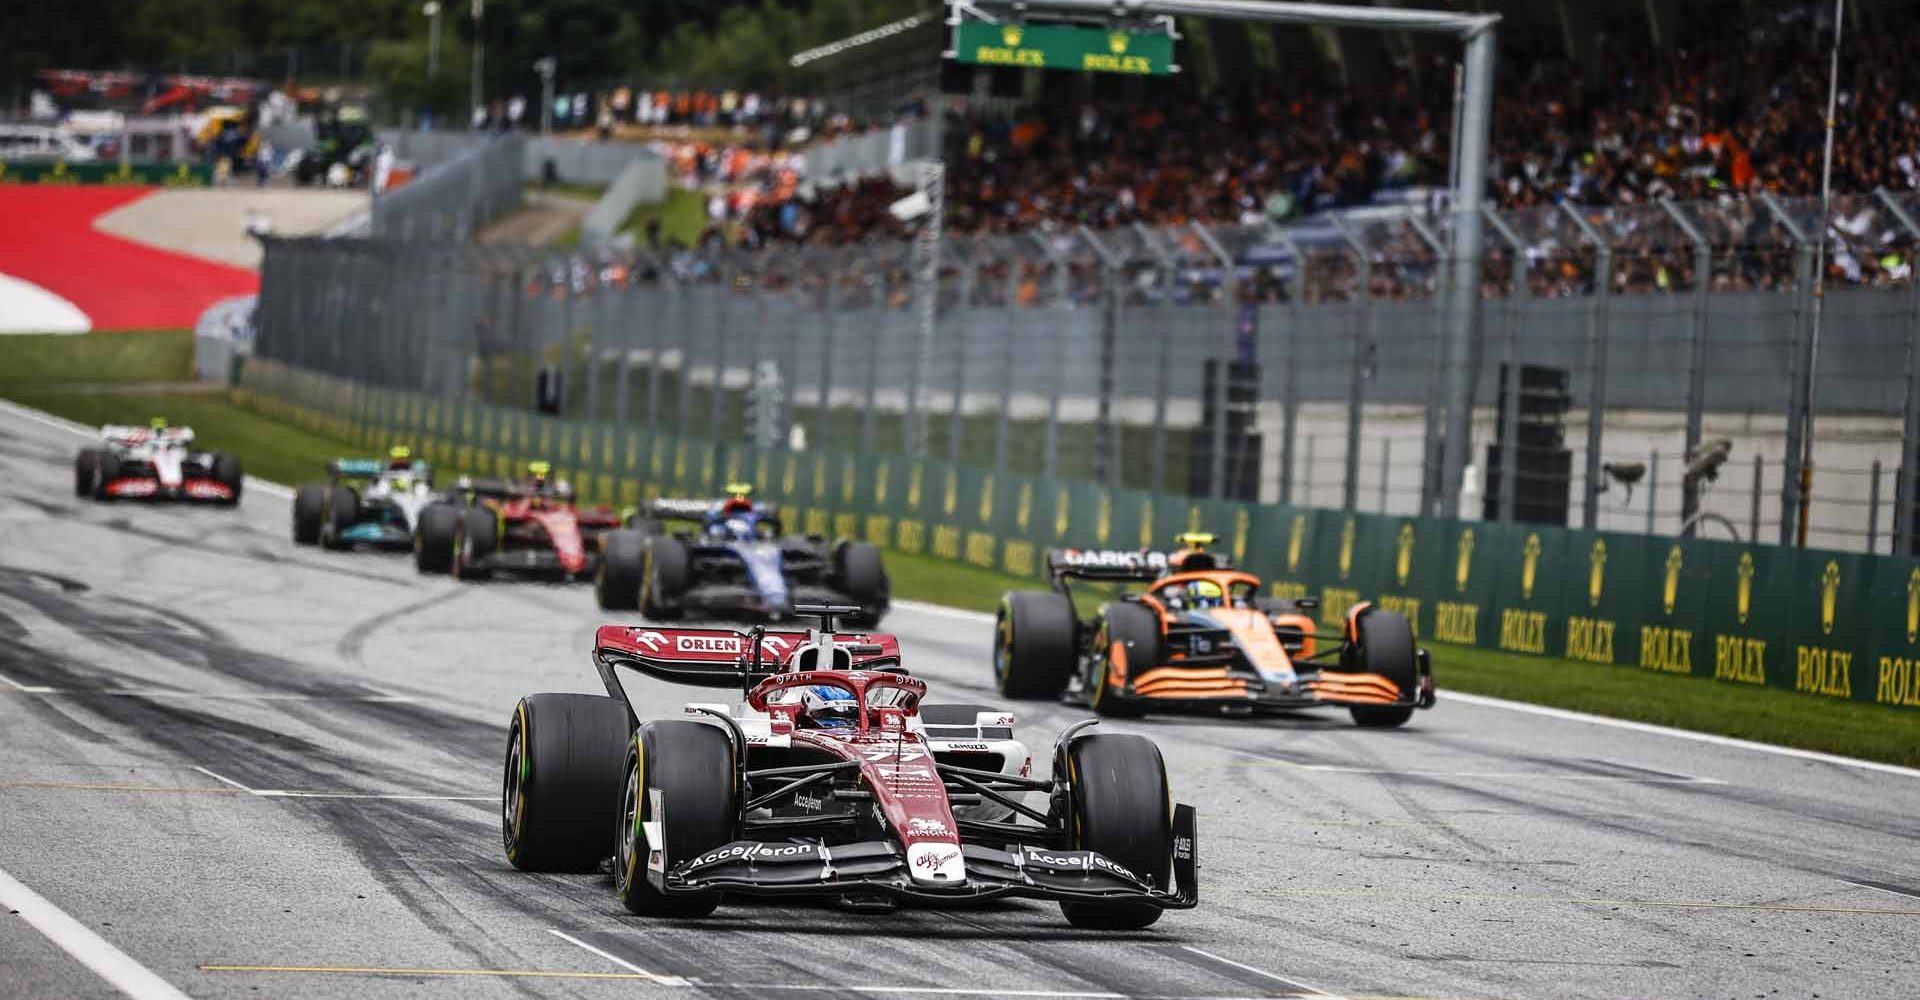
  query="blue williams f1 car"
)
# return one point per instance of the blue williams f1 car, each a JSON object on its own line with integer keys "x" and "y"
{"x": 736, "y": 562}
{"x": 365, "y": 501}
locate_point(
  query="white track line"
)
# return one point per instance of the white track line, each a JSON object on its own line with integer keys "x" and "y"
{"x": 1282, "y": 980}
{"x": 1882, "y": 888}
{"x": 617, "y": 960}
{"x": 229, "y": 782}
{"x": 86, "y": 947}
{"x": 286, "y": 793}
{"x": 1679, "y": 734}
{"x": 214, "y": 695}
{"x": 24, "y": 688}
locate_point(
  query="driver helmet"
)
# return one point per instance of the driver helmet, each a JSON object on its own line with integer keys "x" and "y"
{"x": 538, "y": 474}
{"x": 1205, "y": 594}
{"x": 399, "y": 457}
{"x": 157, "y": 424}
{"x": 739, "y": 499}
{"x": 824, "y": 706}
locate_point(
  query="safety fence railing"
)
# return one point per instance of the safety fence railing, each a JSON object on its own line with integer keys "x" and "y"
{"x": 1650, "y": 355}
{"x": 1825, "y": 624}
{"x": 452, "y": 198}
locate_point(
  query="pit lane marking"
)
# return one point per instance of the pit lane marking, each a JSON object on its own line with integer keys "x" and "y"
{"x": 285, "y": 793}
{"x": 89, "y": 949}
{"x": 1677, "y": 904}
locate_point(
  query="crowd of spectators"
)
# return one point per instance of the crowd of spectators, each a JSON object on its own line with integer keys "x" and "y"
{"x": 1712, "y": 121}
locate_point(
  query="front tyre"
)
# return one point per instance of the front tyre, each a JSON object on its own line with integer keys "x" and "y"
{"x": 343, "y": 512}
{"x": 665, "y": 579}
{"x": 862, "y": 577}
{"x": 226, "y": 472}
{"x": 1033, "y": 647}
{"x": 309, "y": 508}
{"x": 560, "y": 789}
{"x": 86, "y": 471}
{"x": 623, "y": 567}
{"x": 475, "y": 538}
{"x": 1131, "y": 643}
{"x": 433, "y": 539}
{"x": 1384, "y": 645}
{"x": 1117, "y": 791}
{"x": 681, "y": 777}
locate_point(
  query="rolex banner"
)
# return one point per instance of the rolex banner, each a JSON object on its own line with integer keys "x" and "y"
{"x": 1823, "y": 624}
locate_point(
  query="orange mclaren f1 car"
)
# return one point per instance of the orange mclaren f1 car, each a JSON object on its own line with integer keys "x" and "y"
{"x": 1197, "y": 636}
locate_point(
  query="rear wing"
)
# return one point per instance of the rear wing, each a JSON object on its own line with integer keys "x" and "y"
{"x": 1113, "y": 565}
{"x": 373, "y": 468}
{"x": 719, "y": 657}
{"x": 687, "y": 509}
{"x": 128, "y": 436}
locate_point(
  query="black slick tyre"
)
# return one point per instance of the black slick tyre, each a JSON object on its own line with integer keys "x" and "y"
{"x": 665, "y": 579}
{"x": 343, "y": 512}
{"x": 623, "y": 565}
{"x": 309, "y": 506}
{"x": 86, "y": 471}
{"x": 1033, "y": 649}
{"x": 226, "y": 472}
{"x": 1136, "y": 631}
{"x": 560, "y": 788}
{"x": 474, "y": 539}
{"x": 1385, "y": 646}
{"x": 862, "y": 576}
{"x": 686, "y": 770}
{"x": 433, "y": 538}
{"x": 1120, "y": 808}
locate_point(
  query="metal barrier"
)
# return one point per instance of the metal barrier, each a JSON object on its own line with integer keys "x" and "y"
{"x": 452, "y": 199}
{"x": 1097, "y": 355}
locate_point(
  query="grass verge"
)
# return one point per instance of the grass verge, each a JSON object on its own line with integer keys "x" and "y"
{"x": 286, "y": 453}
{"x": 51, "y": 359}
{"x": 682, "y": 217}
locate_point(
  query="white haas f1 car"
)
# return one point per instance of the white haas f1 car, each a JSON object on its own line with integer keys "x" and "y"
{"x": 830, "y": 779}
{"x": 156, "y": 463}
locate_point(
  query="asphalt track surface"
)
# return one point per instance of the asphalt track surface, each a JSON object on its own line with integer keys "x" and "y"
{"x": 252, "y": 770}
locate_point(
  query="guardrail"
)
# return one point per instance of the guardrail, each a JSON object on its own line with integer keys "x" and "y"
{"x": 1826, "y": 624}
{"x": 451, "y": 200}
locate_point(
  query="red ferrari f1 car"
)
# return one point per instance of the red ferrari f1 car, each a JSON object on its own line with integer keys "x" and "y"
{"x": 831, "y": 779}
{"x": 533, "y": 528}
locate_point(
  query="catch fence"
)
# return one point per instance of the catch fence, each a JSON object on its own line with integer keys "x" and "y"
{"x": 1297, "y": 365}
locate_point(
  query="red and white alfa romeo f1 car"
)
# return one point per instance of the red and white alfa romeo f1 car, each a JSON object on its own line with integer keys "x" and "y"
{"x": 831, "y": 779}
{"x": 156, "y": 462}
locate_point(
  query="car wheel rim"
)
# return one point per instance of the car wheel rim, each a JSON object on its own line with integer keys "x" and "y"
{"x": 511, "y": 786}
{"x": 629, "y": 822}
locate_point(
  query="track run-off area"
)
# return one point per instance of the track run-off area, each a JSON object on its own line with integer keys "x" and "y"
{"x": 234, "y": 768}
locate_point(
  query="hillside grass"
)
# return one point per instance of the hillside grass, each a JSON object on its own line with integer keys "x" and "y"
{"x": 41, "y": 360}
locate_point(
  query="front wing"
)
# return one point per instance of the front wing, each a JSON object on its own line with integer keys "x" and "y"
{"x": 880, "y": 868}
{"x": 1173, "y": 686}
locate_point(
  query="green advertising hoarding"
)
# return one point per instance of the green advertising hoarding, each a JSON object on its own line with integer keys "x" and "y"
{"x": 1823, "y": 624}
{"x": 1060, "y": 46}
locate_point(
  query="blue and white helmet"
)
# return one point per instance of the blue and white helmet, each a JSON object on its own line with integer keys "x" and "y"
{"x": 824, "y": 706}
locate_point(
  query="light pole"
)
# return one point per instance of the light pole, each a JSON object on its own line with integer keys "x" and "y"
{"x": 479, "y": 57}
{"x": 431, "y": 9}
{"x": 545, "y": 68}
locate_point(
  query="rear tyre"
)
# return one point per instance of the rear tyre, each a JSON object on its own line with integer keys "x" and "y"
{"x": 664, "y": 582}
{"x": 1136, "y": 631}
{"x": 862, "y": 576}
{"x": 474, "y": 539}
{"x": 86, "y": 471}
{"x": 1117, "y": 790}
{"x": 623, "y": 565}
{"x": 560, "y": 790}
{"x": 686, "y": 771}
{"x": 1385, "y": 646}
{"x": 1033, "y": 652}
{"x": 343, "y": 512}
{"x": 433, "y": 538}
{"x": 226, "y": 472}
{"x": 309, "y": 506}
